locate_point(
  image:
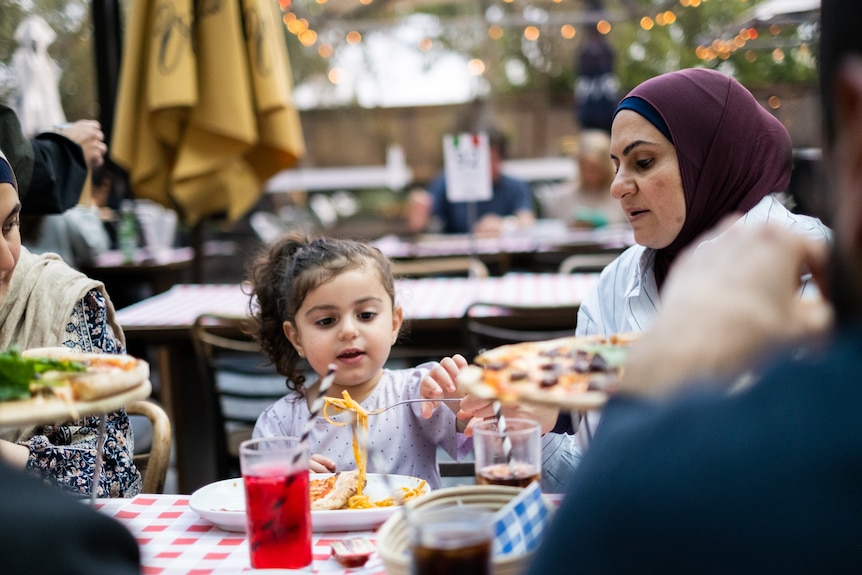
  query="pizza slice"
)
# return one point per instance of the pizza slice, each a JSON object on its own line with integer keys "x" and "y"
{"x": 573, "y": 372}
{"x": 68, "y": 374}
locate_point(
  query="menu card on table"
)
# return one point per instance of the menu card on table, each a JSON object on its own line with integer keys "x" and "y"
{"x": 467, "y": 167}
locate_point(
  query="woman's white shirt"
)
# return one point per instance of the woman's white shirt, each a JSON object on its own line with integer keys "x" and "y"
{"x": 626, "y": 298}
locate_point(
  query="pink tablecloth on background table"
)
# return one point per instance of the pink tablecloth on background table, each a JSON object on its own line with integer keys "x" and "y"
{"x": 174, "y": 540}
{"x": 424, "y": 298}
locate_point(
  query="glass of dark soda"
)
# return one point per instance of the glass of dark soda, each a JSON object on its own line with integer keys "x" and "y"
{"x": 453, "y": 540}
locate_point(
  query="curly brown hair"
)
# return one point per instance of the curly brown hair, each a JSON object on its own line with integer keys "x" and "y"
{"x": 283, "y": 275}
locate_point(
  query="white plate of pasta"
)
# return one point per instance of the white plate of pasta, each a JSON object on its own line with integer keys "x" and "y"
{"x": 223, "y": 503}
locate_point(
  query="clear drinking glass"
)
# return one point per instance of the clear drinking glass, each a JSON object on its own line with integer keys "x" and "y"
{"x": 518, "y": 468}
{"x": 278, "y": 510}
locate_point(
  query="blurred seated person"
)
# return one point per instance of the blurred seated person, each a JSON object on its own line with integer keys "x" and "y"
{"x": 48, "y": 532}
{"x": 45, "y": 303}
{"x": 510, "y": 207}
{"x": 586, "y": 201}
{"x": 77, "y": 235}
{"x": 52, "y": 167}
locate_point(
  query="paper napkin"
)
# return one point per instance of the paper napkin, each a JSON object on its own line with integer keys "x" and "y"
{"x": 519, "y": 525}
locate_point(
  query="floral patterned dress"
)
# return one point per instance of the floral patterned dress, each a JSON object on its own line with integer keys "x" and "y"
{"x": 65, "y": 455}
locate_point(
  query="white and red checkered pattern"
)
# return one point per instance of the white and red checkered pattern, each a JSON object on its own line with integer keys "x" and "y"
{"x": 174, "y": 540}
{"x": 424, "y": 298}
{"x": 545, "y": 236}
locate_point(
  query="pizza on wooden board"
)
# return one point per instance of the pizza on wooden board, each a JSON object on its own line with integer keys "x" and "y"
{"x": 574, "y": 372}
{"x": 68, "y": 374}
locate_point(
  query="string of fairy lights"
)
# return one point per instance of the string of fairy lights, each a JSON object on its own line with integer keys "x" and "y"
{"x": 717, "y": 49}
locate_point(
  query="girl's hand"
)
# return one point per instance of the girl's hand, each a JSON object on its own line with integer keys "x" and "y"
{"x": 442, "y": 381}
{"x": 321, "y": 464}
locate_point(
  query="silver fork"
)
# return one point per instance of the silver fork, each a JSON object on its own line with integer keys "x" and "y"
{"x": 382, "y": 409}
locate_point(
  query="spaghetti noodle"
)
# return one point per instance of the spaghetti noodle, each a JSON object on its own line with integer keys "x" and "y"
{"x": 360, "y": 426}
{"x": 360, "y": 453}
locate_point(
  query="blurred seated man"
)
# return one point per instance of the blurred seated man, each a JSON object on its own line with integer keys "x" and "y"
{"x": 510, "y": 207}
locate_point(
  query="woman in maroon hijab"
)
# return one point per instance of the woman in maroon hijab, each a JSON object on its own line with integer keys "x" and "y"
{"x": 691, "y": 147}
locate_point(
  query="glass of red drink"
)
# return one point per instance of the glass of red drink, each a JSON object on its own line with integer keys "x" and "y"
{"x": 277, "y": 506}
{"x": 521, "y": 465}
{"x": 452, "y": 541}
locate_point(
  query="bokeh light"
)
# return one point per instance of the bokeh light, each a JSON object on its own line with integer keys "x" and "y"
{"x": 476, "y": 67}
{"x": 308, "y": 37}
{"x": 336, "y": 75}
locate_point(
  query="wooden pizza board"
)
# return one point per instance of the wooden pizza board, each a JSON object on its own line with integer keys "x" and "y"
{"x": 50, "y": 410}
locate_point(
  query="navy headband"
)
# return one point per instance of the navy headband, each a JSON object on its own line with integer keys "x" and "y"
{"x": 6, "y": 175}
{"x": 646, "y": 110}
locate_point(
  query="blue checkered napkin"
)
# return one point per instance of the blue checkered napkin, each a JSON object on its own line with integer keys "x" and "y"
{"x": 518, "y": 527}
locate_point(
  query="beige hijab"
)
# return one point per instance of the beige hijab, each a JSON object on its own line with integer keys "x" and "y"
{"x": 40, "y": 299}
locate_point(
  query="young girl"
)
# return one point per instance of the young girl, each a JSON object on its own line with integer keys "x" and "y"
{"x": 332, "y": 301}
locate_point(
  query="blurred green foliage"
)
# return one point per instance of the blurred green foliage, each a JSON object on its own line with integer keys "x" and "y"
{"x": 545, "y": 66}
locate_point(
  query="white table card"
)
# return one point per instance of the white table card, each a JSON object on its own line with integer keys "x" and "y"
{"x": 467, "y": 166}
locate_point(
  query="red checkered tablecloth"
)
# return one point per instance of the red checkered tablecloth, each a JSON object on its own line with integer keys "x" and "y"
{"x": 425, "y": 298}
{"x": 174, "y": 540}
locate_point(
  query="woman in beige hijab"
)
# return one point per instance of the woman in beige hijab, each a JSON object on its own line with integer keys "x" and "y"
{"x": 44, "y": 302}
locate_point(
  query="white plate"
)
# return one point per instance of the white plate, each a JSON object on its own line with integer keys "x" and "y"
{"x": 223, "y": 503}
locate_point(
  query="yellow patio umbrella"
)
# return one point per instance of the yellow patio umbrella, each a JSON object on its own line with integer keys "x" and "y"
{"x": 204, "y": 109}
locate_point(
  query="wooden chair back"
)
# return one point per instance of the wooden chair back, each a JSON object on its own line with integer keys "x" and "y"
{"x": 440, "y": 266}
{"x": 154, "y": 464}
{"x": 241, "y": 383}
{"x": 586, "y": 263}
{"x": 485, "y": 325}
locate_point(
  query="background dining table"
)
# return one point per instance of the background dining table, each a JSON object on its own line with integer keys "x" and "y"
{"x": 160, "y": 327}
{"x": 539, "y": 248}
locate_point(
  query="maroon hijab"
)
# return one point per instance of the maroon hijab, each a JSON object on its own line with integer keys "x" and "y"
{"x": 732, "y": 152}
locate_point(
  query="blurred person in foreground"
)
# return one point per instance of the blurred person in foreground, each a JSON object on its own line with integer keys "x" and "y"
{"x": 510, "y": 206}
{"x": 46, "y": 532}
{"x": 684, "y": 477}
